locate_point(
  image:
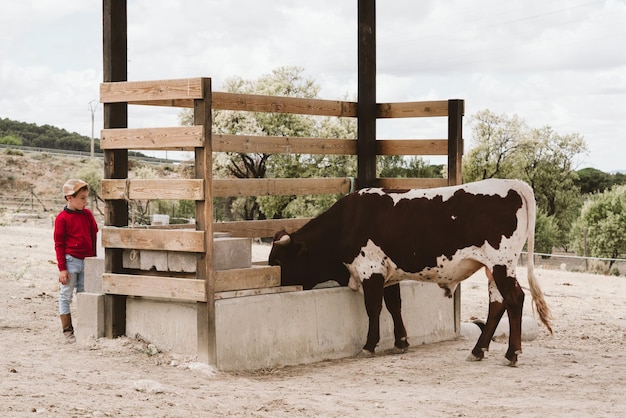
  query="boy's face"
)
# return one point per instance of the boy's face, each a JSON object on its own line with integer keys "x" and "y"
{"x": 79, "y": 201}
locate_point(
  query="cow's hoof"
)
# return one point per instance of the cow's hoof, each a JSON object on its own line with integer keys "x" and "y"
{"x": 366, "y": 354}
{"x": 400, "y": 346}
{"x": 512, "y": 357}
{"x": 397, "y": 350}
{"x": 477, "y": 354}
{"x": 510, "y": 363}
{"x": 472, "y": 357}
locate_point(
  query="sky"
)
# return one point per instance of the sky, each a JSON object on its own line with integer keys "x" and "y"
{"x": 560, "y": 63}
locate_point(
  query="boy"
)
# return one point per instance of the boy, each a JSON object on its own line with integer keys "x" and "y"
{"x": 75, "y": 232}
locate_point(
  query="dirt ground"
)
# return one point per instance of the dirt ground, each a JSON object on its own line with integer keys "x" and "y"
{"x": 579, "y": 371}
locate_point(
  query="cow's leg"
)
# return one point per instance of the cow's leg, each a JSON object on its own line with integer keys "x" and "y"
{"x": 393, "y": 302}
{"x": 373, "y": 294}
{"x": 496, "y": 310}
{"x": 505, "y": 293}
{"x": 514, "y": 302}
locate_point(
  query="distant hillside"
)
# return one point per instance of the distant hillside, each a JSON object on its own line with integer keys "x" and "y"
{"x": 34, "y": 179}
{"x": 45, "y": 136}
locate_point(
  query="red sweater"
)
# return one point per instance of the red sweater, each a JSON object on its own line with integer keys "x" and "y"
{"x": 74, "y": 234}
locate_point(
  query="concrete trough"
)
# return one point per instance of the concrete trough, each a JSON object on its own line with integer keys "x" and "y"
{"x": 291, "y": 328}
{"x": 268, "y": 330}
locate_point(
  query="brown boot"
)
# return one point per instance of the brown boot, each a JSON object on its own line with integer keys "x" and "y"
{"x": 68, "y": 329}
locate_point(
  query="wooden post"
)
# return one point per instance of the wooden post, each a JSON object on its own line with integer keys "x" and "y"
{"x": 455, "y": 141}
{"x": 455, "y": 158}
{"x": 204, "y": 221}
{"x": 114, "y": 42}
{"x": 366, "y": 110}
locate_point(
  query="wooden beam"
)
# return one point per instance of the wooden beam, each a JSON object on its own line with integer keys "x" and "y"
{"x": 139, "y": 91}
{"x": 283, "y": 144}
{"x": 412, "y": 147}
{"x": 366, "y": 112}
{"x": 260, "y": 229}
{"x": 184, "y": 103}
{"x": 153, "y": 286}
{"x": 154, "y": 239}
{"x": 277, "y": 187}
{"x": 185, "y": 137}
{"x": 256, "y": 277}
{"x": 278, "y": 104}
{"x": 455, "y": 141}
{"x": 410, "y": 183}
{"x": 139, "y": 189}
{"x": 114, "y": 60}
{"x": 412, "y": 109}
{"x": 205, "y": 265}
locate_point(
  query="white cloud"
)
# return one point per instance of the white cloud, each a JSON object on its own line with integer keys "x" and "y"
{"x": 559, "y": 63}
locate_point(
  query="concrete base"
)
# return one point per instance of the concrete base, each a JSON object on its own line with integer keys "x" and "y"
{"x": 171, "y": 326}
{"x": 94, "y": 269}
{"x": 291, "y": 328}
{"x": 89, "y": 317}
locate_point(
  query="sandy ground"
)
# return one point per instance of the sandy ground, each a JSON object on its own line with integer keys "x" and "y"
{"x": 579, "y": 371}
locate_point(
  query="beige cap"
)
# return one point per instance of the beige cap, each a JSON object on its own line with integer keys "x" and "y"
{"x": 72, "y": 186}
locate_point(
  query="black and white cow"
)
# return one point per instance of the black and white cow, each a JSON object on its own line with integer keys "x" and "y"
{"x": 375, "y": 238}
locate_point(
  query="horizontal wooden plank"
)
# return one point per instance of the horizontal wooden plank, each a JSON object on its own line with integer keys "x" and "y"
{"x": 247, "y": 278}
{"x": 139, "y": 91}
{"x": 153, "y": 239}
{"x": 412, "y": 147}
{"x": 140, "y": 189}
{"x": 184, "y": 103}
{"x": 412, "y": 109}
{"x": 410, "y": 183}
{"x": 274, "y": 187}
{"x": 259, "y": 229}
{"x": 185, "y": 137}
{"x": 278, "y": 104}
{"x": 154, "y": 287}
{"x": 257, "y": 292}
{"x": 283, "y": 144}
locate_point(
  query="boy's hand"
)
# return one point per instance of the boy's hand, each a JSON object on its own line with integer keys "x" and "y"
{"x": 64, "y": 276}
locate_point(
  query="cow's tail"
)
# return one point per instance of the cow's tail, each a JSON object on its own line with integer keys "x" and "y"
{"x": 540, "y": 305}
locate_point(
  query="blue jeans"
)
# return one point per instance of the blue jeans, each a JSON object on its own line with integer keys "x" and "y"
{"x": 76, "y": 269}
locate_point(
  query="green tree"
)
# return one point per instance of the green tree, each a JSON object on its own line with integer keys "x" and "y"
{"x": 407, "y": 167}
{"x": 92, "y": 172}
{"x": 11, "y": 140}
{"x": 548, "y": 160}
{"x": 45, "y": 136}
{"x": 289, "y": 82}
{"x": 505, "y": 147}
{"x": 497, "y": 140}
{"x": 546, "y": 233}
{"x": 592, "y": 180}
{"x": 599, "y": 230}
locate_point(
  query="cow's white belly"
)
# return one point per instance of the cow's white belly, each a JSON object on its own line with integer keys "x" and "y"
{"x": 448, "y": 272}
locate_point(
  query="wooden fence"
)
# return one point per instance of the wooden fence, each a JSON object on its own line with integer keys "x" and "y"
{"x": 196, "y": 93}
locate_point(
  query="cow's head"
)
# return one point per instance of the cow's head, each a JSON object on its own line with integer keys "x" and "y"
{"x": 305, "y": 265}
{"x": 284, "y": 249}
{"x": 289, "y": 253}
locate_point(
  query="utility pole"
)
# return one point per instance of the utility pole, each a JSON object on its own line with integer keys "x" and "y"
{"x": 93, "y": 105}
